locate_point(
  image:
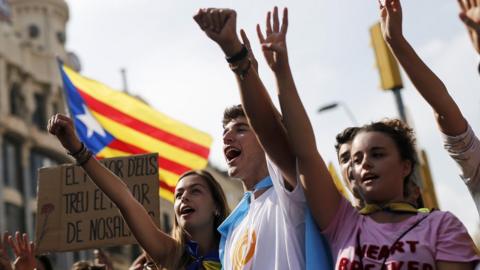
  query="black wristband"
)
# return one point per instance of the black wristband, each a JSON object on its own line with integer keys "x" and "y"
{"x": 238, "y": 56}
{"x": 478, "y": 68}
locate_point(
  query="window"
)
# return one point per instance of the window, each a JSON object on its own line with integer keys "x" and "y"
{"x": 16, "y": 218}
{"x": 12, "y": 173}
{"x": 39, "y": 117}
{"x": 37, "y": 161}
{"x": 17, "y": 101}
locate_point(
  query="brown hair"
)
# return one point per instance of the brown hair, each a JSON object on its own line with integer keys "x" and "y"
{"x": 345, "y": 136}
{"x": 181, "y": 256}
{"x": 231, "y": 113}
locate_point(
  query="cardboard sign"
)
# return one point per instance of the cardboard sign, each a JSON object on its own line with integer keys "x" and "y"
{"x": 74, "y": 214}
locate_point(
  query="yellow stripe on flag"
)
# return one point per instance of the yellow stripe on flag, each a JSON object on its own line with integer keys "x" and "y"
{"x": 137, "y": 109}
{"x": 167, "y": 195}
{"x": 170, "y": 178}
{"x": 141, "y": 140}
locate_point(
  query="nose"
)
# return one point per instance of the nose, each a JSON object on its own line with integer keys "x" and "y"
{"x": 228, "y": 137}
{"x": 366, "y": 163}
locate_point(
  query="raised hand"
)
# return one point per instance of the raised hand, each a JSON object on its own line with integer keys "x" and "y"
{"x": 62, "y": 127}
{"x": 101, "y": 258}
{"x": 220, "y": 25}
{"x": 470, "y": 15}
{"x": 391, "y": 20}
{"x": 274, "y": 45}
{"x": 5, "y": 263}
{"x": 24, "y": 252}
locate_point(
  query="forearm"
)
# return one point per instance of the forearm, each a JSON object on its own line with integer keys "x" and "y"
{"x": 295, "y": 118}
{"x": 322, "y": 195}
{"x": 265, "y": 121}
{"x": 448, "y": 115}
{"x": 156, "y": 243}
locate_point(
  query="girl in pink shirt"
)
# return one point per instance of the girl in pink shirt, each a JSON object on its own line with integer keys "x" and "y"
{"x": 388, "y": 233}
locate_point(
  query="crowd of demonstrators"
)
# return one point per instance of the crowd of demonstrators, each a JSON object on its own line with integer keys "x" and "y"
{"x": 388, "y": 230}
{"x": 285, "y": 179}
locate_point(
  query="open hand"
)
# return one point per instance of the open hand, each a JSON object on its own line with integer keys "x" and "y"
{"x": 391, "y": 20}
{"x": 470, "y": 15}
{"x": 274, "y": 45}
{"x": 220, "y": 25}
{"x": 24, "y": 252}
{"x": 62, "y": 127}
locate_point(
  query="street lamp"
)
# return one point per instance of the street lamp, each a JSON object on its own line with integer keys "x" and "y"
{"x": 337, "y": 104}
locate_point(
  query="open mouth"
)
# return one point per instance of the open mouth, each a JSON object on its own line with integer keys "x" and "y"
{"x": 369, "y": 177}
{"x": 231, "y": 153}
{"x": 186, "y": 210}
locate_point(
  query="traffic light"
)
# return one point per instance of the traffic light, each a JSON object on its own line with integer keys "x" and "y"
{"x": 386, "y": 63}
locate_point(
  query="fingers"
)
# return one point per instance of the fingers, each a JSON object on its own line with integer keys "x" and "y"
{"x": 57, "y": 122}
{"x": 285, "y": 21}
{"x": 214, "y": 15}
{"x": 260, "y": 34}
{"x": 275, "y": 20}
{"x": 199, "y": 19}
{"x": 268, "y": 24}
{"x": 462, "y": 5}
{"x": 245, "y": 40}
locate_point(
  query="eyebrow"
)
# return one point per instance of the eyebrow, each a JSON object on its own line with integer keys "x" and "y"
{"x": 236, "y": 125}
{"x": 189, "y": 187}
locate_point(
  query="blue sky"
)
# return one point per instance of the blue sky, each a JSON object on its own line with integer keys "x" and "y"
{"x": 179, "y": 71}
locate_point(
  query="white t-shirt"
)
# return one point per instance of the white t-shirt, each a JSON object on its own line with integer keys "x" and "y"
{"x": 272, "y": 235}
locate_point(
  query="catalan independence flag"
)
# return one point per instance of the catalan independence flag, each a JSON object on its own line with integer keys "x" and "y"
{"x": 112, "y": 123}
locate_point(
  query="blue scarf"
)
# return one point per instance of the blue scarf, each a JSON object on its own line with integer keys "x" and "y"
{"x": 211, "y": 261}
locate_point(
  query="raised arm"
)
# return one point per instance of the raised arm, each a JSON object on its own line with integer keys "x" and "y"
{"x": 156, "y": 243}
{"x": 447, "y": 113}
{"x": 220, "y": 26}
{"x": 322, "y": 195}
{"x": 470, "y": 15}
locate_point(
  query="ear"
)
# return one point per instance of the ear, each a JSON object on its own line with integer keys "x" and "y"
{"x": 407, "y": 168}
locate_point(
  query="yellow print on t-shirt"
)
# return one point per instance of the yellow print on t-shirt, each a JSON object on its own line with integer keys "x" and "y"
{"x": 244, "y": 249}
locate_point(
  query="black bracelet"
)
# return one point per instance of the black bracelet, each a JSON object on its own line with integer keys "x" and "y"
{"x": 478, "y": 68}
{"x": 77, "y": 152}
{"x": 238, "y": 56}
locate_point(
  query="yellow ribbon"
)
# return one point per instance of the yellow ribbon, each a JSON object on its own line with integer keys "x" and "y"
{"x": 392, "y": 207}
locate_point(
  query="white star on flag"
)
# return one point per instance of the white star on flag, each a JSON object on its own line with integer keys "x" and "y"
{"x": 91, "y": 124}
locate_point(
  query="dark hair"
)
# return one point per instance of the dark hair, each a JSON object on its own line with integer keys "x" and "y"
{"x": 45, "y": 262}
{"x": 345, "y": 136}
{"x": 231, "y": 113}
{"x": 220, "y": 200}
{"x": 404, "y": 138}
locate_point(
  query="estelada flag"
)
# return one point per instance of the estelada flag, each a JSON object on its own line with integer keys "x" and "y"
{"x": 112, "y": 123}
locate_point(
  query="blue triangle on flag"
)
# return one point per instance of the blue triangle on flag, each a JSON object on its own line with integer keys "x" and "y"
{"x": 88, "y": 129}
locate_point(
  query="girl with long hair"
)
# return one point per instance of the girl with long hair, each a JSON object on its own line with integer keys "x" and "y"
{"x": 200, "y": 206}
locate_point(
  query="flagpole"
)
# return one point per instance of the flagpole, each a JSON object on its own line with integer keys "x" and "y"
{"x": 123, "y": 71}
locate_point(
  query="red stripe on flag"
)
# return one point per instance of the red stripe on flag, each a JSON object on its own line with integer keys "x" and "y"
{"x": 163, "y": 163}
{"x": 165, "y": 186}
{"x": 143, "y": 127}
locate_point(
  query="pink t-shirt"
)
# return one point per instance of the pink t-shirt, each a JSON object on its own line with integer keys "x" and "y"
{"x": 440, "y": 236}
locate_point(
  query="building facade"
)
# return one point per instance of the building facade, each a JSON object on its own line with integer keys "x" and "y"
{"x": 32, "y": 38}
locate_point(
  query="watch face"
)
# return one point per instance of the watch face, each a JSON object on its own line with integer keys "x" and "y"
{"x": 33, "y": 31}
